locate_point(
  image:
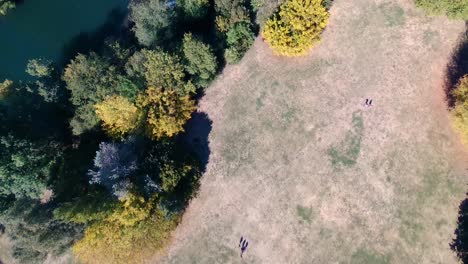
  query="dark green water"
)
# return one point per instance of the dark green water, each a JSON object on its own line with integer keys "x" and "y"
{"x": 55, "y": 30}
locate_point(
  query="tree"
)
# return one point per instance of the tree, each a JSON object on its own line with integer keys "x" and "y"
{"x": 230, "y": 12}
{"x": 34, "y": 232}
{"x": 167, "y": 164}
{"x": 96, "y": 205}
{"x": 460, "y": 111}
{"x": 90, "y": 79}
{"x": 455, "y": 9}
{"x": 296, "y": 28}
{"x": 153, "y": 21}
{"x": 118, "y": 114}
{"x": 4, "y": 87}
{"x": 166, "y": 112}
{"x": 39, "y": 68}
{"x": 131, "y": 234}
{"x": 194, "y": 9}
{"x": 159, "y": 69}
{"x": 26, "y": 166}
{"x": 200, "y": 60}
{"x": 239, "y": 39}
{"x": 114, "y": 164}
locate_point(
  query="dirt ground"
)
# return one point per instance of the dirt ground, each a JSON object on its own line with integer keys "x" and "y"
{"x": 307, "y": 174}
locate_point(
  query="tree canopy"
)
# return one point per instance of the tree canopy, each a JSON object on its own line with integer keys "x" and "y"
{"x": 165, "y": 111}
{"x": 200, "y": 60}
{"x": 26, "y": 166}
{"x": 152, "y": 21}
{"x": 119, "y": 116}
{"x": 297, "y": 26}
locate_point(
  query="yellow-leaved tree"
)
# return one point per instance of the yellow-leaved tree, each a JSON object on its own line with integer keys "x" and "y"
{"x": 119, "y": 116}
{"x": 166, "y": 112}
{"x": 133, "y": 233}
{"x": 460, "y": 112}
{"x": 297, "y": 26}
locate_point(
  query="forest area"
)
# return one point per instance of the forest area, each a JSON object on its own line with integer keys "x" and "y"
{"x": 94, "y": 156}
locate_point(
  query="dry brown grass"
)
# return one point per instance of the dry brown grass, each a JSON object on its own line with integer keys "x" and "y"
{"x": 307, "y": 174}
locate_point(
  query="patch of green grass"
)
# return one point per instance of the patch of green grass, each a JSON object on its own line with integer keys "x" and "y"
{"x": 305, "y": 214}
{"x": 364, "y": 256}
{"x": 325, "y": 233}
{"x": 430, "y": 37}
{"x": 410, "y": 228}
{"x": 394, "y": 15}
{"x": 441, "y": 223}
{"x": 347, "y": 151}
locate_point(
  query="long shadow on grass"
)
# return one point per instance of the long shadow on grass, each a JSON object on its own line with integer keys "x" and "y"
{"x": 198, "y": 129}
{"x": 192, "y": 145}
{"x": 457, "y": 67}
{"x": 460, "y": 243}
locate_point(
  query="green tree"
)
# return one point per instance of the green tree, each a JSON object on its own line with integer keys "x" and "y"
{"x": 455, "y": 9}
{"x": 118, "y": 114}
{"x": 230, "y": 12}
{"x": 166, "y": 112}
{"x": 90, "y": 79}
{"x": 200, "y": 60}
{"x": 26, "y": 166}
{"x": 239, "y": 39}
{"x": 34, "y": 232}
{"x": 159, "y": 69}
{"x": 153, "y": 21}
{"x": 194, "y": 9}
{"x": 39, "y": 68}
{"x": 297, "y": 26}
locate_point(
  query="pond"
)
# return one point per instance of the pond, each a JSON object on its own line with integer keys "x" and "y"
{"x": 54, "y": 30}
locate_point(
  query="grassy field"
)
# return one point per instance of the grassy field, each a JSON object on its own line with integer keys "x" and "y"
{"x": 307, "y": 174}
{"x": 5, "y": 251}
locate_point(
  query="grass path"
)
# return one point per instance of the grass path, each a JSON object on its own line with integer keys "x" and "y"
{"x": 307, "y": 174}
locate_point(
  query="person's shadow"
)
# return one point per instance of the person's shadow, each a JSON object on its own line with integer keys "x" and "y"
{"x": 460, "y": 243}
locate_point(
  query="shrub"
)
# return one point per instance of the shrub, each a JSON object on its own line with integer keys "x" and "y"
{"x": 200, "y": 60}
{"x": 39, "y": 68}
{"x": 460, "y": 111}
{"x": 166, "y": 112}
{"x": 5, "y": 6}
{"x": 455, "y": 9}
{"x": 297, "y": 26}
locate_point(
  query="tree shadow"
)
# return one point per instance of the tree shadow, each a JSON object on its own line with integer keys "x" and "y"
{"x": 197, "y": 130}
{"x": 460, "y": 243}
{"x": 85, "y": 42}
{"x": 457, "y": 67}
